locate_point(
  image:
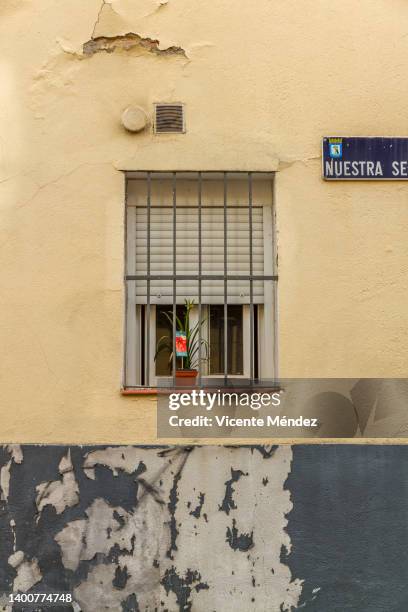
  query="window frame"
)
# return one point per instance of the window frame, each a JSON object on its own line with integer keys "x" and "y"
{"x": 267, "y": 314}
{"x": 205, "y": 334}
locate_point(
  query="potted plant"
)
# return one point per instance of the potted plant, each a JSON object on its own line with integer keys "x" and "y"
{"x": 188, "y": 346}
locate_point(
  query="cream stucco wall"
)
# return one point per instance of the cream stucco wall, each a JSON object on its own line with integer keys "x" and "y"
{"x": 262, "y": 83}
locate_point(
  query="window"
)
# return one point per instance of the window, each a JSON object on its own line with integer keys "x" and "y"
{"x": 202, "y": 243}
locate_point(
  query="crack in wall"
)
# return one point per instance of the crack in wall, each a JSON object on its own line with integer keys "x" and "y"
{"x": 284, "y": 164}
{"x": 98, "y": 17}
{"x": 131, "y": 40}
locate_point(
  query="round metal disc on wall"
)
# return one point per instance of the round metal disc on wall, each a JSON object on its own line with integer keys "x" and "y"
{"x": 134, "y": 119}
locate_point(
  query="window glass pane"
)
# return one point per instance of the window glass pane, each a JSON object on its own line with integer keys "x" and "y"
{"x": 164, "y": 336}
{"x": 235, "y": 339}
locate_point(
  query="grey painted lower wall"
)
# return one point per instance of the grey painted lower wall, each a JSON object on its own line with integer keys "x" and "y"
{"x": 206, "y": 529}
{"x": 349, "y": 527}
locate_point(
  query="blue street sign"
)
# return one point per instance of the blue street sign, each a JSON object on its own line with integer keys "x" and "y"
{"x": 368, "y": 159}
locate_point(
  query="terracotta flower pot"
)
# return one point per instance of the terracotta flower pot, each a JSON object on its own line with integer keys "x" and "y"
{"x": 186, "y": 378}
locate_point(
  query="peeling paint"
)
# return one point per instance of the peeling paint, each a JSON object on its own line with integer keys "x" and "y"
{"x": 13, "y": 530}
{"x": 126, "y": 42}
{"x": 138, "y": 537}
{"x": 228, "y": 503}
{"x": 126, "y": 458}
{"x": 28, "y": 572}
{"x": 61, "y": 494}
{"x": 111, "y": 33}
{"x": 242, "y": 542}
{"x": 16, "y": 454}
{"x": 121, "y": 577}
{"x": 104, "y": 528}
{"x": 70, "y": 540}
{"x": 5, "y": 481}
{"x": 197, "y": 512}
{"x": 172, "y": 507}
{"x": 130, "y": 604}
{"x": 182, "y": 586}
{"x": 4, "y": 604}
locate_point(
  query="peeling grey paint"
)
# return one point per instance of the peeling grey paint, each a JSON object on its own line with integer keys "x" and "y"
{"x": 16, "y": 456}
{"x": 239, "y": 541}
{"x": 62, "y": 493}
{"x": 197, "y": 511}
{"x": 172, "y": 506}
{"x": 183, "y": 586}
{"x": 16, "y": 452}
{"x": 228, "y": 502}
{"x": 249, "y": 529}
{"x": 27, "y": 572}
{"x": 5, "y": 481}
{"x": 130, "y": 604}
{"x": 134, "y": 528}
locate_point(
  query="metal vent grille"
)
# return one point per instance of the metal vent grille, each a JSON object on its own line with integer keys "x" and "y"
{"x": 169, "y": 118}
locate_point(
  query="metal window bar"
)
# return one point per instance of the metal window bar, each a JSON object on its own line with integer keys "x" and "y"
{"x": 225, "y": 283}
{"x": 142, "y": 322}
{"x": 206, "y": 277}
{"x": 251, "y": 283}
{"x": 148, "y": 280}
{"x": 174, "y": 273}
{"x": 200, "y": 193}
{"x": 125, "y": 313}
{"x": 174, "y": 277}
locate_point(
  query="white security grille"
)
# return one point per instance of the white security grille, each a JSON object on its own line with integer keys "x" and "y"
{"x": 202, "y": 236}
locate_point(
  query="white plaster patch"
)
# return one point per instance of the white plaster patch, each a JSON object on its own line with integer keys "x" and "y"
{"x": 98, "y": 589}
{"x": 59, "y": 493}
{"x": 13, "y": 530}
{"x": 70, "y": 540}
{"x": 187, "y": 494}
{"x": 16, "y": 454}
{"x": 136, "y": 537}
{"x": 106, "y": 526}
{"x": 256, "y": 576}
{"x": 5, "y": 481}
{"x": 28, "y": 572}
{"x": 16, "y": 559}
{"x": 4, "y": 605}
{"x": 126, "y": 458}
{"x": 139, "y": 538}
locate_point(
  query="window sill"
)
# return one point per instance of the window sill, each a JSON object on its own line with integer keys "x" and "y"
{"x": 155, "y": 391}
{"x": 146, "y": 391}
